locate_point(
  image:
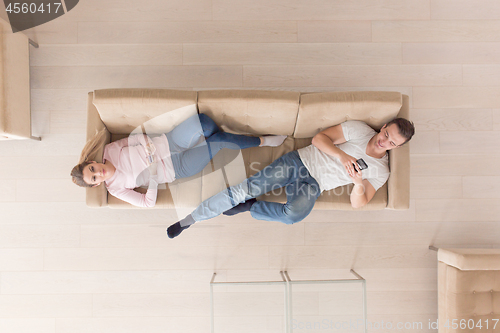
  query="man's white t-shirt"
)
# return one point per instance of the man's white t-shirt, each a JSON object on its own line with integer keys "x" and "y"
{"x": 330, "y": 173}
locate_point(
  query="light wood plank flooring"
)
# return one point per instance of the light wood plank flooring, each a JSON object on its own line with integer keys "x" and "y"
{"x": 65, "y": 268}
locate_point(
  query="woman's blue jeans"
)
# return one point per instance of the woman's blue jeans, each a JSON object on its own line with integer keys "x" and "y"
{"x": 196, "y": 140}
{"x": 287, "y": 173}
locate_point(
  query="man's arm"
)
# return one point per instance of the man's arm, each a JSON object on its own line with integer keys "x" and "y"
{"x": 138, "y": 199}
{"x": 362, "y": 191}
{"x": 326, "y": 141}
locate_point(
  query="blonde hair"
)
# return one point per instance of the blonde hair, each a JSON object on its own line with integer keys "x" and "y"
{"x": 88, "y": 154}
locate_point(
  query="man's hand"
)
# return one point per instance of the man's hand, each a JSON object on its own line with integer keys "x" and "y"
{"x": 348, "y": 161}
{"x": 357, "y": 178}
{"x": 362, "y": 192}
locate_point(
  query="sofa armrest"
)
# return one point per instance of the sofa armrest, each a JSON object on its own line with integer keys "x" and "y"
{"x": 471, "y": 259}
{"x": 96, "y": 196}
{"x": 399, "y": 161}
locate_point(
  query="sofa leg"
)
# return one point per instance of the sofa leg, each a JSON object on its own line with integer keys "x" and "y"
{"x": 33, "y": 43}
{"x": 37, "y": 138}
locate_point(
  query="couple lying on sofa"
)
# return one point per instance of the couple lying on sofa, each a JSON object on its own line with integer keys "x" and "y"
{"x": 329, "y": 162}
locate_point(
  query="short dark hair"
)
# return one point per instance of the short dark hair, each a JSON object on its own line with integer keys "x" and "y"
{"x": 405, "y": 127}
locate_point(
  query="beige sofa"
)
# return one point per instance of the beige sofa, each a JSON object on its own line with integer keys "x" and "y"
{"x": 298, "y": 115}
{"x": 15, "y": 110}
{"x": 468, "y": 290}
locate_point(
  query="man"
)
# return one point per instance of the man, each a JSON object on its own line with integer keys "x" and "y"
{"x": 329, "y": 162}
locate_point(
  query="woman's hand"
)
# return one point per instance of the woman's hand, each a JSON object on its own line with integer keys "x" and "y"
{"x": 151, "y": 160}
{"x": 348, "y": 162}
{"x": 153, "y": 166}
{"x": 149, "y": 147}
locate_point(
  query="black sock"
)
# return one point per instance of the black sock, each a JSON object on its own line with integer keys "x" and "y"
{"x": 175, "y": 229}
{"x": 242, "y": 207}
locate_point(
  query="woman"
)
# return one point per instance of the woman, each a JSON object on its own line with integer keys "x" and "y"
{"x": 140, "y": 161}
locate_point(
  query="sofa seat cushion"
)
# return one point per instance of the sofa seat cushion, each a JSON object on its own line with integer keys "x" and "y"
{"x": 251, "y": 112}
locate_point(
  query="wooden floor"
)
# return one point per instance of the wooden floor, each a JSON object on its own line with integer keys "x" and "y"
{"x": 65, "y": 268}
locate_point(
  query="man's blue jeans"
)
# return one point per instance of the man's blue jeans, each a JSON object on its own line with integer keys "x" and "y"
{"x": 287, "y": 173}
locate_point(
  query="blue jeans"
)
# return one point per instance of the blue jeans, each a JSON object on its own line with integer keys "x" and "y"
{"x": 189, "y": 155}
{"x": 287, "y": 172}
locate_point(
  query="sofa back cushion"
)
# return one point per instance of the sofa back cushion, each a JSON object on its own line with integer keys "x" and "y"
{"x": 251, "y": 112}
{"x": 123, "y": 111}
{"x": 318, "y": 111}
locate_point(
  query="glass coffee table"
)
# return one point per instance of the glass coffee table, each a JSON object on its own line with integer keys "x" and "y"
{"x": 289, "y": 306}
